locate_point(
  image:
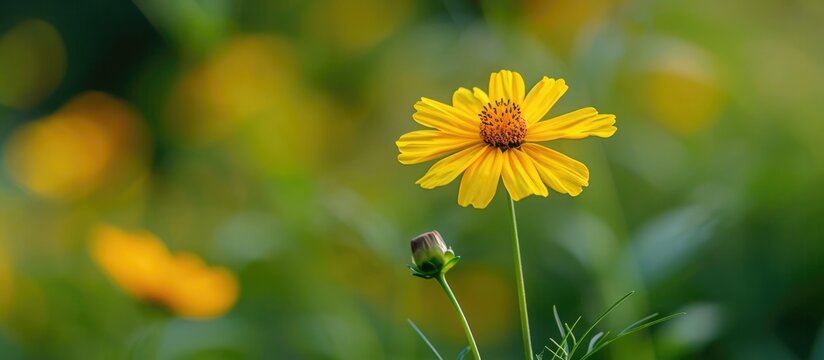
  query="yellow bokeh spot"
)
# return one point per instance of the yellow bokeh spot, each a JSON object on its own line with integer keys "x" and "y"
{"x": 559, "y": 23}
{"x": 352, "y": 26}
{"x": 32, "y": 63}
{"x": 249, "y": 94}
{"x": 685, "y": 104}
{"x": 140, "y": 264}
{"x": 676, "y": 84}
{"x": 242, "y": 81}
{"x": 91, "y": 141}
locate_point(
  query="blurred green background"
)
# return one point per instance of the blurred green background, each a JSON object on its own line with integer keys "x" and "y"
{"x": 260, "y": 135}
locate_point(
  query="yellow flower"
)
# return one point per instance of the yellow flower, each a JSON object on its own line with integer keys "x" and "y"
{"x": 143, "y": 267}
{"x": 94, "y": 142}
{"x": 487, "y": 137}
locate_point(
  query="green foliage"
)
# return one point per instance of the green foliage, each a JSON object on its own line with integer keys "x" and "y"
{"x": 418, "y": 331}
{"x": 568, "y": 346}
{"x": 428, "y": 343}
{"x": 463, "y": 352}
{"x": 452, "y": 261}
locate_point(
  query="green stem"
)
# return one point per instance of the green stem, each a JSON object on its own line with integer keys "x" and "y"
{"x": 519, "y": 278}
{"x": 442, "y": 280}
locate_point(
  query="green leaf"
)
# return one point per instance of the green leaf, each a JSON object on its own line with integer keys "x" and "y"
{"x": 652, "y": 323}
{"x": 599, "y": 340}
{"x": 633, "y": 328}
{"x": 464, "y": 352}
{"x": 560, "y": 349}
{"x": 554, "y": 353}
{"x": 599, "y": 319}
{"x": 560, "y": 328}
{"x": 452, "y": 262}
{"x": 572, "y": 334}
{"x": 423, "y": 337}
{"x": 417, "y": 272}
{"x": 630, "y": 326}
{"x": 594, "y": 341}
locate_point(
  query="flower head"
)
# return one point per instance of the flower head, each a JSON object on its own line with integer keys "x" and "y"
{"x": 486, "y": 137}
{"x": 431, "y": 256}
{"x": 143, "y": 267}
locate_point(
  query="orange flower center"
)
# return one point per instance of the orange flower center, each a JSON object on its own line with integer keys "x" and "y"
{"x": 502, "y": 124}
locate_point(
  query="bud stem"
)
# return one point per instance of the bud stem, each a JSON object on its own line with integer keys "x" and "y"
{"x": 442, "y": 280}
{"x": 519, "y": 278}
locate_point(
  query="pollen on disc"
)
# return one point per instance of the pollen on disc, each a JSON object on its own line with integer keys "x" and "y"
{"x": 502, "y": 124}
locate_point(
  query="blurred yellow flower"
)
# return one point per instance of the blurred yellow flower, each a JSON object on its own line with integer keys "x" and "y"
{"x": 247, "y": 90}
{"x": 566, "y": 25}
{"x": 235, "y": 85}
{"x": 143, "y": 267}
{"x": 350, "y": 26}
{"x": 492, "y": 136}
{"x": 676, "y": 84}
{"x": 93, "y": 142}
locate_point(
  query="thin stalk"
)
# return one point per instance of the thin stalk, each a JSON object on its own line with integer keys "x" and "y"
{"x": 519, "y": 279}
{"x": 442, "y": 280}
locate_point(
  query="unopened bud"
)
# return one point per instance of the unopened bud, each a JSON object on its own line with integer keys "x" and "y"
{"x": 431, "y": 256}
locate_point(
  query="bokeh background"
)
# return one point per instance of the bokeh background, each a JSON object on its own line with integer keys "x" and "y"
{"x": 259, "y": 135}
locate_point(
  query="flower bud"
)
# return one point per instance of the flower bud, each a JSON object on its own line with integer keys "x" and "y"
{"x": 431, "y": 256}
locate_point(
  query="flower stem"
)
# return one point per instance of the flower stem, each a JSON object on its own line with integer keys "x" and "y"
{"x": 442, "y": 280}
{"x": 519, "y": 278}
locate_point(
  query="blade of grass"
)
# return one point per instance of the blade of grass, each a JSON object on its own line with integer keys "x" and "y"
{"x": 594, "y": 341}
{"x": 464, "y": 352}
{"x": 599, "y": 319}
{"x": 652, "y": 323}
{"x": 633, "y": 330}
{"x": 560, "y": 348}
{"x": 554, "y": 354}
{"x": 630, "y": 326}
{"x": 574, "y": 340}
{"x": 560, "y": 328}
{"x": 601, "y": 340}
{"x": 564, "y": 340}
{"x": 423, "y": 337}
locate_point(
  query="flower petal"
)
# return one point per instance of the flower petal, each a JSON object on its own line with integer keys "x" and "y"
{"x": 424, "y": 145}
{"x": 437, "y": 115}
{"x": 481, "y": 95}
{"x": 541, "y": 98}
{"x": 575, "y": 125}
{"x": 480, "y": 181}
{"x": 521, "y": 178}
{"x": 470, "y": 105}
{"x": 447, "y": 169}
{"x": 562, "y": 173}
{"x": 507, "y": 85}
